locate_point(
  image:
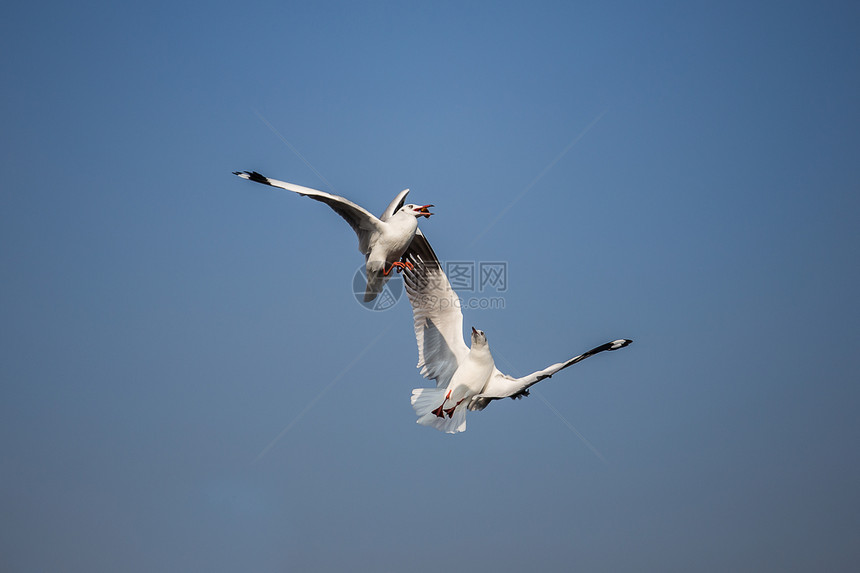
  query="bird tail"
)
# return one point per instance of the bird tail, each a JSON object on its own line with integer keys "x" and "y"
{"x": 428, "y": 405}
{"x": 375, "y": 284}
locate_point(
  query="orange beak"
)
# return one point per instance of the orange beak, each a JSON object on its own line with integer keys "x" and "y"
{"x": 423, "y": 210}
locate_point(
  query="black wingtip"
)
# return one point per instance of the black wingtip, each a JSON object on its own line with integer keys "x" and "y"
{"x": 253, "y": 176}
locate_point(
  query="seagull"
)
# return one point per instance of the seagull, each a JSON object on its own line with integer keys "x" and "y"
{"x": 466, "y": 376}
{"x": 382, "y": 241}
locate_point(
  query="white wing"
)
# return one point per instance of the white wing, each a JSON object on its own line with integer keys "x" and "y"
{"x": 436, "y": 311}
{"x": 504, "y": 386}
{"x": 396, "y": 204}
{"x": 362, "y": 221}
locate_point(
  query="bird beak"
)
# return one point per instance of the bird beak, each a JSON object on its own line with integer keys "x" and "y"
{"x": 423, "y": 210}
{"x": 475, "y": 332}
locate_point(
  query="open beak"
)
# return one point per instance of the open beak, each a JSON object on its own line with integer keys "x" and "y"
{"x": 474, "y": 331}
{"x": 423, "y": 210}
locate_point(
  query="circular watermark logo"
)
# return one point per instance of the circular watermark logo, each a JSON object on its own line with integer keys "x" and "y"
{"x": 391, "y": 292}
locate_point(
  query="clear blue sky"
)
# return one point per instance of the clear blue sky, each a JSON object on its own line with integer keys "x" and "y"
{"x": 164, "y": 321}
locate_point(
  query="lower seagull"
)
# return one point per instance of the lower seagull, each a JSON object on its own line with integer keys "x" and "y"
{"x": 466, "y": 377}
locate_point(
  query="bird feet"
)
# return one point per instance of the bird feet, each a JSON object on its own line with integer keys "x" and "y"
{"x": 399, "y": 266}
{"x": 442, "y": 411}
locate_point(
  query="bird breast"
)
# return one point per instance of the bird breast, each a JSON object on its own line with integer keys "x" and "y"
{"x": 397, "y": 234}
{"x": 473, "y": 374}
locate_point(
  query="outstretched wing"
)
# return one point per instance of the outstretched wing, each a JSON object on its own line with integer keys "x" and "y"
{"x": 436, "y": 312}
{"x": 504, "y": 386}
{"x": 362, "y": 221}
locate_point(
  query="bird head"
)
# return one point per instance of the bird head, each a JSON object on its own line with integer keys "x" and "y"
{"x": 417, "y": 210}
{"x": 478, "y": 337}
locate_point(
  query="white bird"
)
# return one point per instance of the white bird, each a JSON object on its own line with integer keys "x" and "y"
{"x": 382, "y": 241}
{"x": 466, "y": 378}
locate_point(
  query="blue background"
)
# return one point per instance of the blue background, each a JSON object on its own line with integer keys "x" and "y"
{"x": 188, "y": 383}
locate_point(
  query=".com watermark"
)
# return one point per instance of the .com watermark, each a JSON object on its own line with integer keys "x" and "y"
{"x": 471, "y": 303}
{"x": 484, "y": 277}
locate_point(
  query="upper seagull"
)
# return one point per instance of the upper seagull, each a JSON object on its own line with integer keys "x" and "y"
{"x": 383, "y": 241}
{"x": 466, "y": 378}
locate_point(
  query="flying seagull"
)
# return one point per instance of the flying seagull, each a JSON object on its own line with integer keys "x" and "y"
{"x": 466, "y": 377}
{"x": 382, "y": 241}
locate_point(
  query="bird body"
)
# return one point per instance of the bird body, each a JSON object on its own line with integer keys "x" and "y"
{"x": 444, "y": 407}
{"x": 474, "y": 373}
{"x": 386, "y": 247}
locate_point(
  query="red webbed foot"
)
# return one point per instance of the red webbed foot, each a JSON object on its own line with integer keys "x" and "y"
{"x": 399, "y": 266}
